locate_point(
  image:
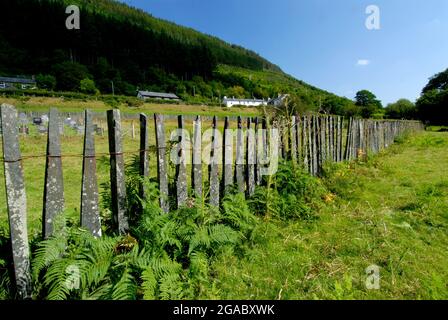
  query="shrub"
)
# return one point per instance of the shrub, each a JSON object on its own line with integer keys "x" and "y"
{"x": 87, "y": 86}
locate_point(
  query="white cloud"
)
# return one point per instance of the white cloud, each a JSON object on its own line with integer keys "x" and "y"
{"x": 363, "y": 62}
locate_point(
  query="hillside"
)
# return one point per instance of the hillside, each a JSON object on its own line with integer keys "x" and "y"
{"x": 123, "y": 49}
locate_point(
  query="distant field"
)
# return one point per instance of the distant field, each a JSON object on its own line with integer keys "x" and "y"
{"x": 66, "y": 105}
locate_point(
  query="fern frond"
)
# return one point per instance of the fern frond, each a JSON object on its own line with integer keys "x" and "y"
{"x": 125, "y": 288}
{"x": 100, "y": 293}
{"x": 58, "y": 281}
{"x": 171, "y": 287}
{"x": 149, "y": 284}
{"x": 47, "y": 252}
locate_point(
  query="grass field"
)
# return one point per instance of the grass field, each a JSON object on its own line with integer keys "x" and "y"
{"x": 72, "y": 148}
{"x": 391, "y": 212}
{"x": 42, "y": 104}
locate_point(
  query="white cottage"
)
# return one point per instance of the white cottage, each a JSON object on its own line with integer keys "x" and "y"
{"x": 230, "y": 102}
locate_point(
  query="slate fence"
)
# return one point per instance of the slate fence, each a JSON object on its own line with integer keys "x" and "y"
{"x": 309, "y": 140}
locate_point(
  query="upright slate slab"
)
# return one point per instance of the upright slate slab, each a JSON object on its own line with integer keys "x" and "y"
{"x": 305, "y": 136}
{"x": 314, "y": 142}
{"x": 258, "y": 148}
{"x": 299, "y": 139}
{"x": 262, "y": 150}
{"x": 293, "y": 135}
{"x": 250, "y": 158}
{"x": 332, "y": 140}
{"x": 339, "y": 139}
{"x": 326, "y": 135}
{"x": 162, "y": 166}
{"x": 322, "y": 142}
{"x": 144, "y": 153}
{"x": 181, "y": 166}
{"x": 117, "y": 174}
{"x": 213, "y": 167}
{"x": 90, "y": 213}
{"x": 239, "y": 167}
{"x": 16, "y": 201}
{"x": 227, "y": 157}
{"x": 349, "y": 138}
{"x": 197, "y": 157}
{"x": 54, "y": 185}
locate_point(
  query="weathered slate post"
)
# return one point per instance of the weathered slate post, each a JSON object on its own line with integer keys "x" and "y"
{"x": 361, "y": 146}
{"x": 258, "y": 146}
{"x": 227, "y": 174}
{"x": 90, "y": 213}
{"x": 293, "y": 135}
{"x": 144, "y": 153}
{"x": 239, "y": 167}
{"x": 326, "y": 128}
{"x": 262, "y": 150}
{"x": 16, "y": 201}
{"x": 54, "y": 185}
{"x": 355, "y": 137}
{"x": 250, "y": 159}
{"x": 213, "y": 167}
{"x": 305, "y": 135}
{"x": 299, "y": 139}
{"x": 117, "y": 175}
{"x": 197, "y": 157}
{"x": 347, "y": 155}
{"x": 322, "y": 141}
{"x": 162, "y": 166}
{"x": 339, "y": 139}
{"x": 281, "y": 146}
{"x": 181, "y": 166}
{"x": 314, "y": 141}
{"x": 331, "y": 142}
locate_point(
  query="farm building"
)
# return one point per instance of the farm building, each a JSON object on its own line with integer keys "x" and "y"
{"x": 230, "y": 102}
{"x": 279, "y": 100}
{"x": 21, "y": 83}
{"x": 157, "y": 95}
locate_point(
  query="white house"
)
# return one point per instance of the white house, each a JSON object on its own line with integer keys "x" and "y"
{"x": 230, "y": 102}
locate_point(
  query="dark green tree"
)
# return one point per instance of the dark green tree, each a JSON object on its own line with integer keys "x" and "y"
{"x": 88, "y": 86}
{"x": 368, "y": 103}
{"x": 432, "y": 106}
{"x": 46, "y": 81}
{"x": 69, "y": 75}
{"x": 438, "y": 82}
{"x": 402, "y": 109}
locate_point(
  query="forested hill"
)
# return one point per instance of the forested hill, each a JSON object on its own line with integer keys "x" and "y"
{"x": 126, "y": 49}
{"x": 128, "y": 37}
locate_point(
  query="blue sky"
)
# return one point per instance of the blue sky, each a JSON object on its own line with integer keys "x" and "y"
{"x": 325, "y": 42}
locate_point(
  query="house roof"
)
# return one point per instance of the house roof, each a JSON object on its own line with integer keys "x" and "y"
{"x": 280, "y": 98}
{"x": 150, "y": 94}
{"x": 17, "y": 80}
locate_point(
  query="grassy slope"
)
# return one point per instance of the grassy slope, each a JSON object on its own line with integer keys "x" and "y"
{"x": 392, "y": 212}
{"x": 72, "y": 105}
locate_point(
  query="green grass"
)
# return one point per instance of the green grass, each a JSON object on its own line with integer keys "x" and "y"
{"x": 391, "y": 212}
{"x": 42, "y": 104}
